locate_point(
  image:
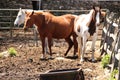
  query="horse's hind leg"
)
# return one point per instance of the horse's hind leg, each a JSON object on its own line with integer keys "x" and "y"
{"x": 75, "y": 44}
{"x": 43, "y": 47}
{"x": 70, "y": 43}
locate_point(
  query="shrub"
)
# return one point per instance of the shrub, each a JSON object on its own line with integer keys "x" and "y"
{"x": 105, "y": 60}
{"x": 12, "y": 51}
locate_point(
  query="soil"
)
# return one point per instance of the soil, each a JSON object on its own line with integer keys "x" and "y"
{"x": 28, "y": 66}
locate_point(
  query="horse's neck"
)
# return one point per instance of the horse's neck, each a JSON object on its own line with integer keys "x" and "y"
{"x": 37, "y": 21}
{"x": 92, "y": 26}
{"x": 91, "y": 14}
{"x": 89, "y": 17}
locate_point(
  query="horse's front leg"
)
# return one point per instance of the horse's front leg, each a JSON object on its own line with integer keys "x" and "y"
{"x": 43, "y": 47}
{"x": 46, "y": 45}
{"x": 49, "y": 45}
{"x": 83, "y": 42}
{"x": 79, "y": 46}
{"x": 94, "y": 38}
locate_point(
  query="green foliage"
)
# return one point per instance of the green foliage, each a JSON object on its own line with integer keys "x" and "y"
{"x": 105, "y": 60}
{"x": 113, "y": 73}
{"x": 12, "y": 51}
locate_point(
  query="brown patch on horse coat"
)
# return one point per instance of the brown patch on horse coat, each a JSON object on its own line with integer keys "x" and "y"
{"x": 78, "y": 29}
{"x": 92, "y": 27}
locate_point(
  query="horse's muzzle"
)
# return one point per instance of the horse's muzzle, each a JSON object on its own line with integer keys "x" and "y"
{"x": 16, "y": 25}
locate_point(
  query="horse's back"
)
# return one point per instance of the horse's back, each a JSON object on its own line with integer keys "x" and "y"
{"x": 62, "y": 25}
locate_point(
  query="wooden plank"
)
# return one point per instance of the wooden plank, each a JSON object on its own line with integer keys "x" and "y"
{"x": 5, "y": 22}
{"x": 50, "y": 10}
{"x": 5, "y": 28}
{"x": 6, "y": 16}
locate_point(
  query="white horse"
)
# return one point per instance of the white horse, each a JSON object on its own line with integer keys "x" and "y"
{"x": 86, "y": 25}
{"x": 21, "y": 16}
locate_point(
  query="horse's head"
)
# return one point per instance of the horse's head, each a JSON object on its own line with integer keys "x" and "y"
{"x": 20, "y": 18}
{"x": 29, "y": 20}
{"x": 103, "y": 16}
{"x": 97, "y": 14}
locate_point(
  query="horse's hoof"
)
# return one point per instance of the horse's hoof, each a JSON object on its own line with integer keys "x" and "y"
{"x": 81, "y": 60}
{"x": 93, "y": 60}
{"x": 65, "y": 55}
{"x": 79, "y": 64}
{"x": 74, "y": 55}
{"x": 51, "y": 58}
{"x": 43, "y": 59}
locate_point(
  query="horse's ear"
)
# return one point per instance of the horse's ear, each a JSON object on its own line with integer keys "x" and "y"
{"x": 32, "y": 13}
{"x": 20, "y": 9}
{"x": 100, "y": 6}
{"x": 93, "y": 7}
{"x": 25, "y": 12}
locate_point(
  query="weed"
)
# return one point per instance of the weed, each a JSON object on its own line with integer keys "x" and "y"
{"x": 105, "y": 60}
{"x": 113, "y": 73}
{"x": 12, "y": 51}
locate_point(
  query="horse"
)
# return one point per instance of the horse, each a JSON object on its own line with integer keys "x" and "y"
{"x": 50, "y": 26}
{"x": 21, "y": 18}
{"x": 86, "y": 25}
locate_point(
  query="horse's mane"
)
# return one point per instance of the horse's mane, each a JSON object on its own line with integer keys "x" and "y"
{"x": 92, "y": 26}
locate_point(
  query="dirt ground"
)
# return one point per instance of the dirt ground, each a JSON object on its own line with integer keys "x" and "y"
{"x": 28, "y": 66}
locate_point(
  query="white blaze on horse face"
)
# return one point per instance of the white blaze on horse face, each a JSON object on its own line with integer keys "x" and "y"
{"x": 20, "y": 18}
{"x": 98, "y": 19}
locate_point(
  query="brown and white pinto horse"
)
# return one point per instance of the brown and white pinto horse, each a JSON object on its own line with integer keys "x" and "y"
{"x": 50, "y": 26}
{"x": 87, "y": 25}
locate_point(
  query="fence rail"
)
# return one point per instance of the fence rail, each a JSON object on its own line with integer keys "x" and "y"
{"x": 12, "y": 13}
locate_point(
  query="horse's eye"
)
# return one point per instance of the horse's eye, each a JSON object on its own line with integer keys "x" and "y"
{"x": 19, "y": 16}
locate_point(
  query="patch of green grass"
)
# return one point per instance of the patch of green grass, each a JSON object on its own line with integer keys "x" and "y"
{"x": 113, "y": 73}
{"x": 12, "y": 51}
{"x": 105, "y": 60}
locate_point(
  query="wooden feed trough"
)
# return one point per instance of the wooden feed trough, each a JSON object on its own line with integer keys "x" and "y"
{"x": 65, "y": 74}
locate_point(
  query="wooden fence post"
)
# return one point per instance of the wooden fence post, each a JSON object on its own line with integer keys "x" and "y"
{"x": 11, "y": 35}
{"x": 119, "y": 66}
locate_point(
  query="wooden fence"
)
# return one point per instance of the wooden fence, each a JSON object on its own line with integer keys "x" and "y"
{"x": 7, "y": 17}
{"x": 110, "y": 43}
